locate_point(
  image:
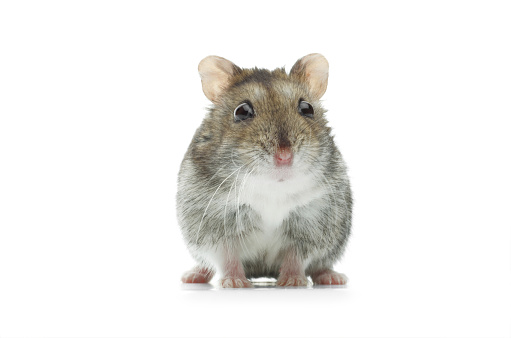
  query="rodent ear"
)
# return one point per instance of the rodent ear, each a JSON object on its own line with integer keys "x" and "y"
{"x": 216, "y": 73}
{"x": 313, "y": 69}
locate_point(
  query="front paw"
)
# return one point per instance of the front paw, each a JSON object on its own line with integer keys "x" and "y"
{"x": 235, "y": 282}
{"x": 292, "y": 280}
{"x": 194, "y": 277}
{"x": 198, "y": 275}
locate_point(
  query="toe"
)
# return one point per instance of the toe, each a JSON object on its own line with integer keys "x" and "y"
{"x": 292, "y": 281}
{"x": 227, "y": 283}
{"x": 192, "y": 277}
{"x": 331, "y": 278}
{"x": 235, "y": 283}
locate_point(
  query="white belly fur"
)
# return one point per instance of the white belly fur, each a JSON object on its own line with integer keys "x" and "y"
{"x": 274, "y": 201}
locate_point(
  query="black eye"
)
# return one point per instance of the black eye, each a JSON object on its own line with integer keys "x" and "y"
{"x": 243, "y": 111}
{"x": 305, "y": 108}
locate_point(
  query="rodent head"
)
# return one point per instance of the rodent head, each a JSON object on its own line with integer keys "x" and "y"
{"x": 269, "y": 118}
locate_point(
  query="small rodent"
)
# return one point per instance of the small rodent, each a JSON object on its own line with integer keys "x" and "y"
{"x": 263, "y": 189}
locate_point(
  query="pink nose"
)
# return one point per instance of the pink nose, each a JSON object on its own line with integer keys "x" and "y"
{"x": 283, "y": 156}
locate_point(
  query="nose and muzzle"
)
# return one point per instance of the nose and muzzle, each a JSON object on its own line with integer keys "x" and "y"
{"x": 283, "y": 156}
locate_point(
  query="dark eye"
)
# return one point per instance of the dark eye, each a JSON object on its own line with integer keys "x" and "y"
{"x": 305, "y": 108}
{"x": 243, "y": 111}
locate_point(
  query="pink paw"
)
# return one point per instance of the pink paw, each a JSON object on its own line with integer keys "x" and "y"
{"x": 330, "y": 277}
{"x": 235, "y": 282}
{"x": 197, "y": 275}
{"x": 285, "y": 280}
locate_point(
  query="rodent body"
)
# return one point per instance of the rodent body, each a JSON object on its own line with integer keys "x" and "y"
{"x": 263, "y": 189}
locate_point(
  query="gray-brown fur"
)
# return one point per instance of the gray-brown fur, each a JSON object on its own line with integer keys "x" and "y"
{"x": 208, "y": 179}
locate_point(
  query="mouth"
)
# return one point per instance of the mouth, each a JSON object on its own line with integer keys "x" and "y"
{"x": 283, "y": 167}
{"x": 283, "y": 163}
{"x": 282, "y": 173}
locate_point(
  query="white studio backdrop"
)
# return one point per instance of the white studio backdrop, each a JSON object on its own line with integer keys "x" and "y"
{"x": 99, "y": 101}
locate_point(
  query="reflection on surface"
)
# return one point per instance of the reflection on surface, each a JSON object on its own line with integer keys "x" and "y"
{"x": 258, "y": 284}
{"x": 197, "y": 286}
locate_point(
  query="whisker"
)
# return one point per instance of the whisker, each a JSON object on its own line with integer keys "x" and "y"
{"x": 211, "y": 199}
{"x": 241, "y": 231}
{"x": 238, "y": 228}
{"x": 225, "y": 209}
{"x": 252, "y": 223}
{"x": 217, "y": 172}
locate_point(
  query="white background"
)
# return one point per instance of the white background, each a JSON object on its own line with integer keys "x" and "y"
{"x": 98, "y": 103}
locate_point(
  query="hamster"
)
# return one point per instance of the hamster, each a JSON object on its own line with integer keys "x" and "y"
{"x": 263, "y": 189}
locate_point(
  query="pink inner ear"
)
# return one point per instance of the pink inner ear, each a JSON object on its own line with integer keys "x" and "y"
{"x": 215, "y": 73}
{"x": 315, "y": 68}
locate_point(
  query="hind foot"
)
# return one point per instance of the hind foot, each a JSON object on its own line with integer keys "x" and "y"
{"x": 235, "y": 282}
{"x": 198, "y": 275}
{"x": 292, "y": 280}
{"x": 329, "y": 277}
{"x": 233, "y": 273}
{"x": 291, "y": 271}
